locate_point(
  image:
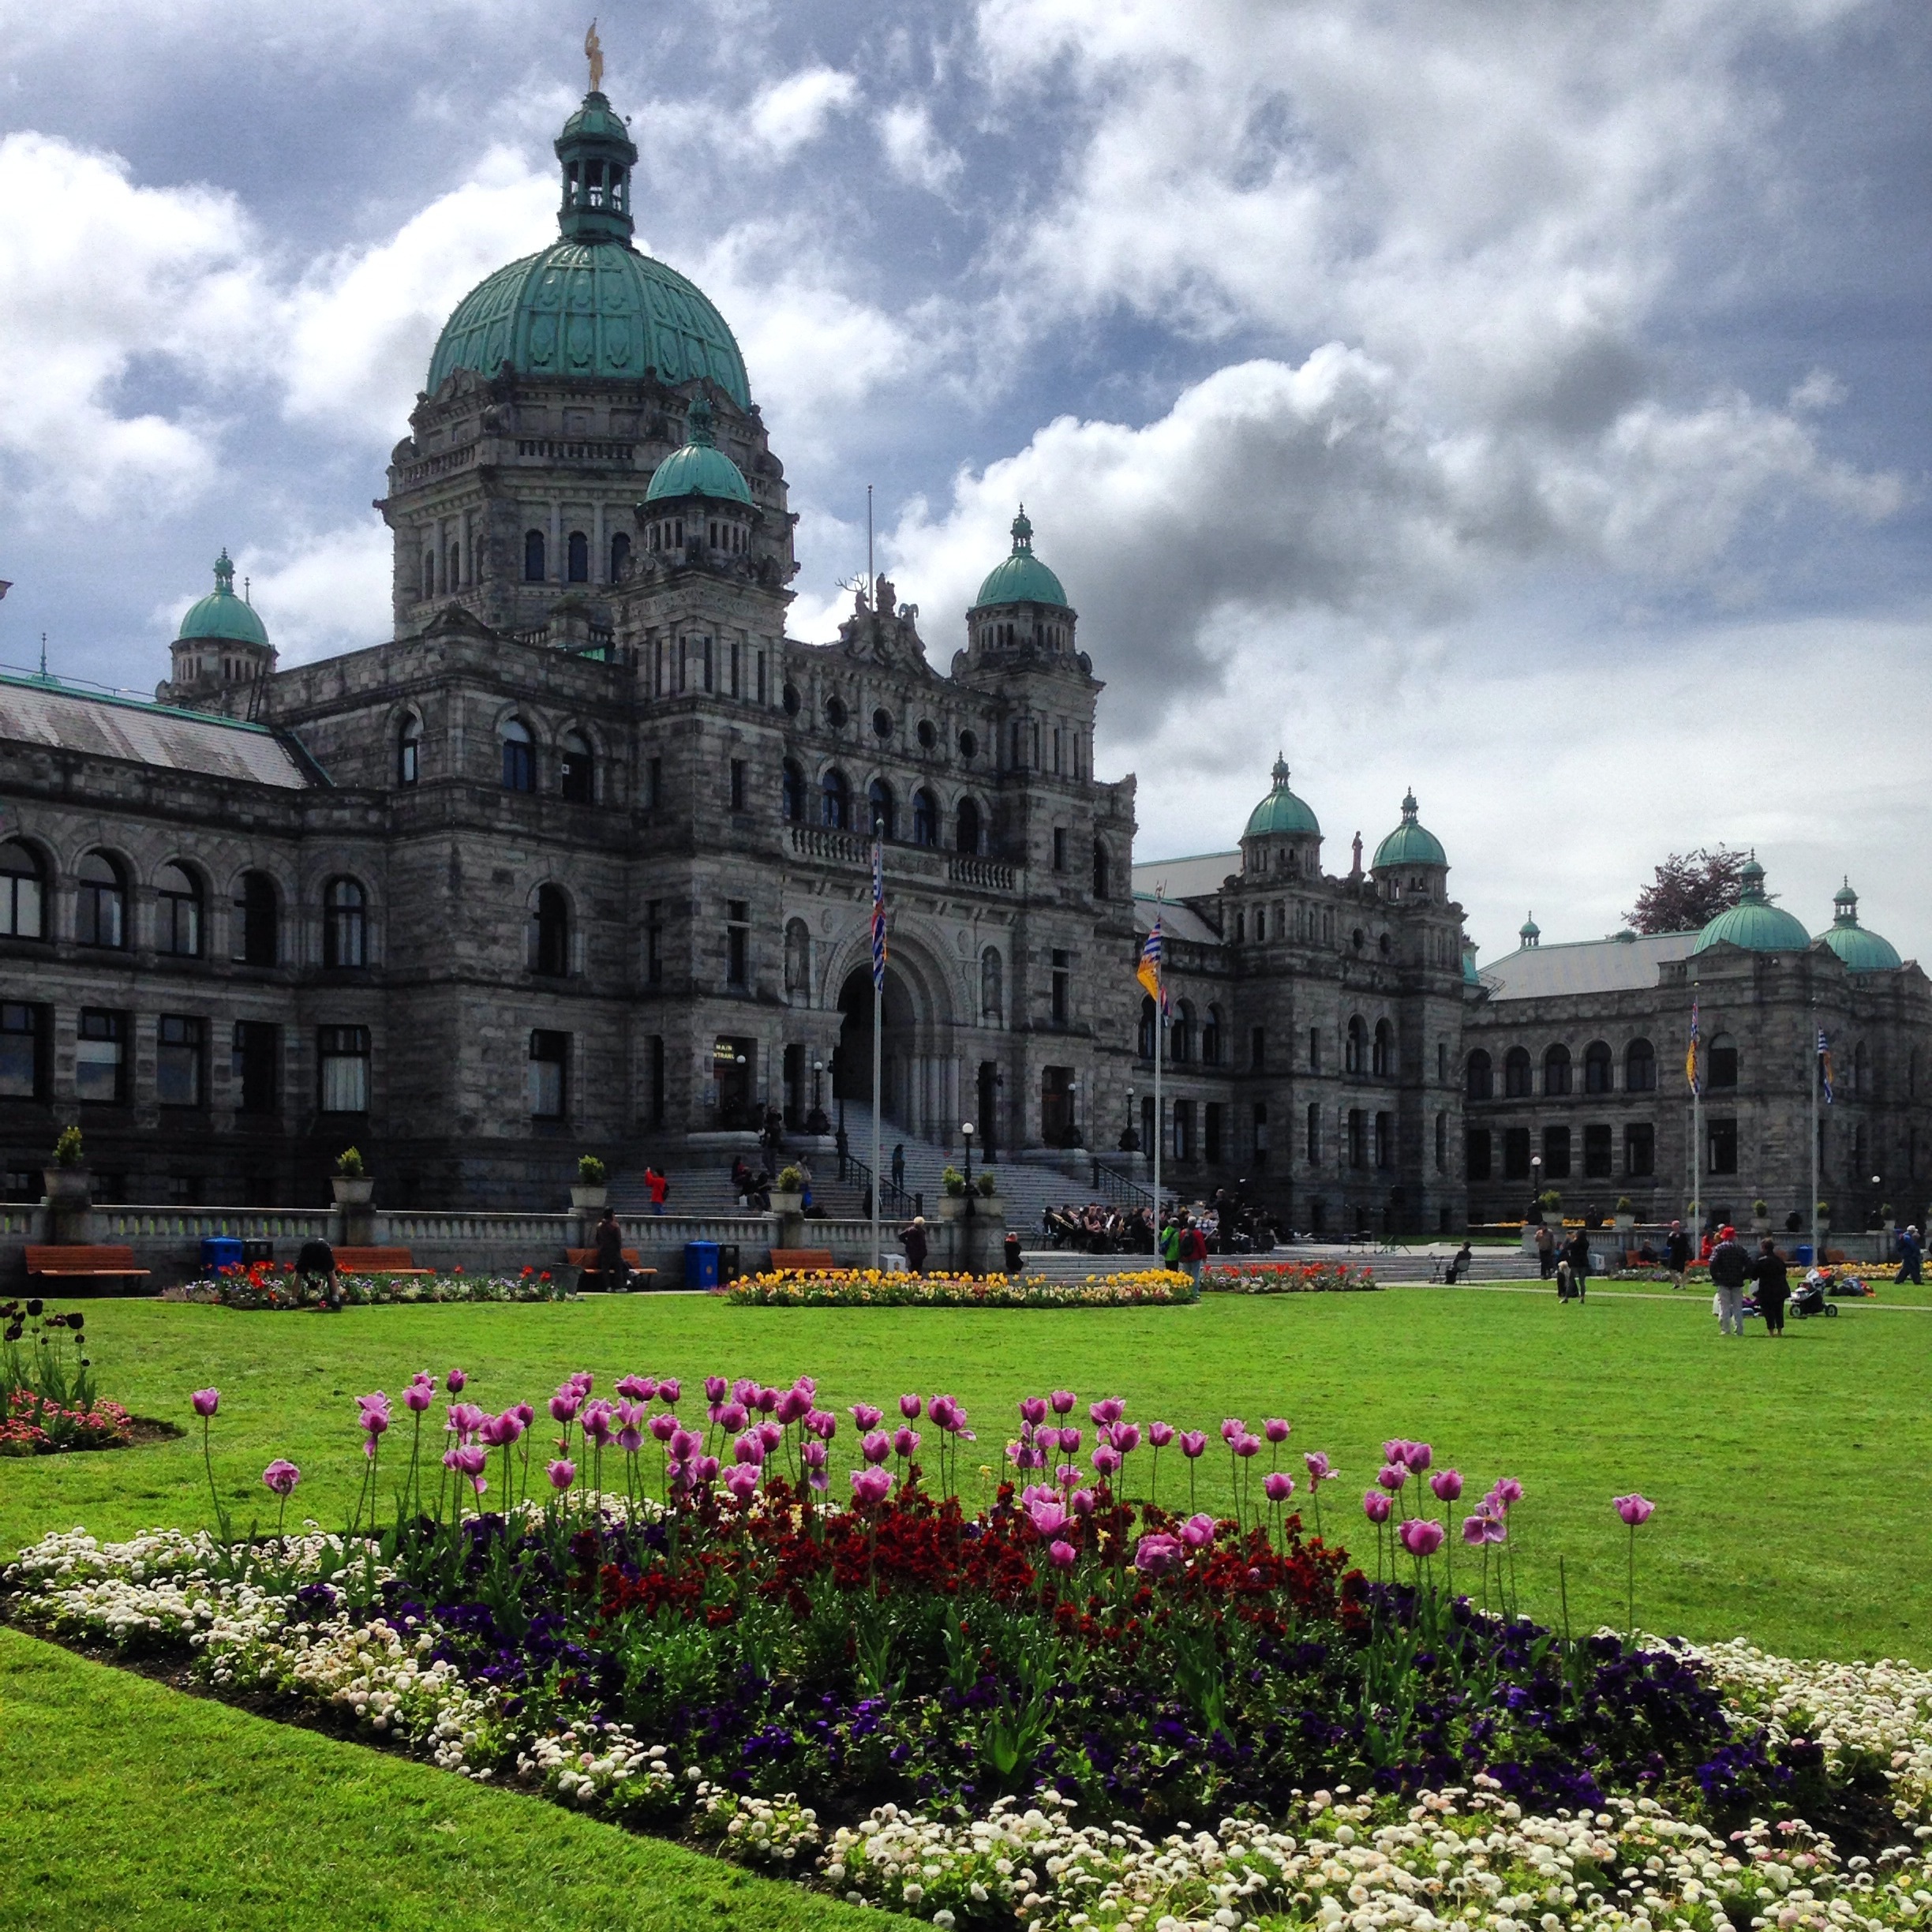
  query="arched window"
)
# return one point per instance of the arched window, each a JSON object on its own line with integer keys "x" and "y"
{"x": 992, "y": 988}
{"x": 798, "y": 962}
{"x": 1516, "y": 1080}
{"x": 1640, "y": 1067}
{"x": 1599, "y": 1068}
{"x": 100, "y": 903}
{"x": 967, "y": 838}
{"x": 577, "y": 773}
{"x": 548, "y": 949}
{"x": 256, "y": 937}
{"x": 1180, "y": 1042}
{"x": 533, "y": 570}
{"x": 345, "y": 924}
{"x": 619, "y": 555}
{"x": 925, "y": 818}
{"x": 1557, "y": 1070}
{"x": 882, "y": 814}
{"x": 1724, "y": 1061}
{"x": 23, "y": 893}
{"x": 835, "y": 800}
{"x": 178, "y": 912}
{"x": 1211, "y": 1037}
{"x": 1479, "y": 1077}
{"x": 409, "y": 750}
{"x": 1100, "y": 870}
{"x": 1382, "y": 1062}
{"x": 1146, "y": 1039}
{"x": 519, "y": 756}
{"x": 578, "y": 552}
{"x": 1355, "y": 1048}
{"x": 792, "y": 793}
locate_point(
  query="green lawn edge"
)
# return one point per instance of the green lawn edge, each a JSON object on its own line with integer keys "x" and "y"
{"x": 124, "y": 1803}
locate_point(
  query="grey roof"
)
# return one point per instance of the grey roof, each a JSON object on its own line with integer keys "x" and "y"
{"x": 1177, "y": 922}
{"x": 1585, "y": 966}
{"x": 1198, "y": 878}
{"x": 38, "y": 711}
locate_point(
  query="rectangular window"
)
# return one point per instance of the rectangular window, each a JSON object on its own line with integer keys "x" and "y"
{"x": 761, "y": 677}
{"x": 1723, "y": 1136}
{"x": 1516, "y": 1154}
{"x": 1385, "y": 1140}
{"x": 1257, "y": 1050}
{"x": 1260, "y": 1131}
{"x": 737, "y": 784}
{"x": 549, "y": 1058}
{"x": 709, "y": 684}
{"x": 1357, "y": 1138}
{"x": 737, "y": 679}
{"x": 1640, "y": 1150}
{"x": 1479, "y": 1153}
{"x": 1442, "y": 1142}
{"x": 342, "y": 1069}
{"x": 1184, "y": 1130}
{"x": 683, "y": 655}
{"x": 177, "y": 1061}
{"x": 21, "y": 1060}
{"x": 737, "y": 941}
{"x": 256, "y": 1065}
{"x": 1059, "y": 848}
{"x": 654, "y": 942}
{"x": 1314, "y": 1050}
{"x": 1314, "y": 1153}
{"x": 1211, "y": 1130}
{"x": 653, "y": 784}
{"x": 1555, "y": 1153}
{"x": 655, "y": 1105}
{"x": 1598, "y": 1154}
{"x": 1062, "y": 977}
{"x": 657, "y": 667}
{"x": 100, "y": 1057}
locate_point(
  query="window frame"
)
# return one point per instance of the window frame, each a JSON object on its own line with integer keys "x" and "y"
{"x": 344, "y": 1046}
{"x": 174, "y": 907}
{"x": 549, "y": 1049}
{"x": 92, "y": 895}
{"x": 11, "y": 892}
{"x": 184, "y": 1048}
{"x": 344, "y": 926}
{"x": 115, "y": 1031}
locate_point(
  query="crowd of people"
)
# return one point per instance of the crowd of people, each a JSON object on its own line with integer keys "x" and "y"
{"x": 1225, "y": 1225}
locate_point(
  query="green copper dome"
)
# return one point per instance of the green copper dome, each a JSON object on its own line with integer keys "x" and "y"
{"x": 1754, "y": 923}
{"x": 1281, "y": 811}
{"x": 700, "y": 468}
{"x": 590, "y": 304}
{"x": 1862, "y": 951}
{"x": 1410, "y": 843}
{"x": 1023, "y": 579}
{"x": 221, "y": 614}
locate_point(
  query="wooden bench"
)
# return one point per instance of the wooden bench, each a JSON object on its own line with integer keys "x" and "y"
{"x": 82, "y": 1264}
{"x": 377, "y": 1261}
{"x": 585, "y": 1261}
{"x": 802, "y": 1260}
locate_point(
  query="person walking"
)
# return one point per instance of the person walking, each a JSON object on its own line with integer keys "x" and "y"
{"x": 1577, "y": 1252}
{"x": 898, "y": 1166}
{"x": 1910, "y": 1255}
{"x": 1773, "y": 1286}
{"x": 613, "y": 1270}
{"x": 913, "y": 1238}
{"x": 1170, "y": 1243}
{"x": 1729, "y": 1267}
{"x": 1193, "y": 1251}
{"x": 1677, "y": 1252}
{"x": 659, "y": 1184}
{"x": 1546, "y": 1250}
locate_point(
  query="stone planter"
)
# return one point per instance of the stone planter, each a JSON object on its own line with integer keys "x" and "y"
{"x": 589, "y": 1199}
{"x": 1624, "y": 1223}
{"x": 791, "y": 1204}
{"x": 68, "y": 1187}
{"x": 952, "y": 1207}
{"x": 353, "y": 1190}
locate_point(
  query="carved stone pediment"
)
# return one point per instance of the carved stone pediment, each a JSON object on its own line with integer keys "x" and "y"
{"x": 883, "y": 632}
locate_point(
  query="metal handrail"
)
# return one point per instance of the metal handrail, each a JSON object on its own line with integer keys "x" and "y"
{"x": 1117, "y": 1187}
{"x": 894, "y": 1201}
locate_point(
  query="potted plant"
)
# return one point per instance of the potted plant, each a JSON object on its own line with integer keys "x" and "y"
{"x": 788, "y": 1193}
{"x": 590, "y": 1192}
{"x": 1551, "y": 1202}
{"x": 353, "y": 1185}
{"x": 1761, "y": 1217}
{"x": 952, "y": 1195}
{"x": 1625, "y": 1218}
{"x": 68, "y": 1182}
{"x": 988, "y": 1183}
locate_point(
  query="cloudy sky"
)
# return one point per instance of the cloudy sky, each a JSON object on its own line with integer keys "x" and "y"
{"x": 1527, "y": 402}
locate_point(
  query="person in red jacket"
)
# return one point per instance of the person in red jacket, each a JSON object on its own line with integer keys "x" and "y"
{"x": 660, "y": 1185}
{"x": 1193, "y": 1249}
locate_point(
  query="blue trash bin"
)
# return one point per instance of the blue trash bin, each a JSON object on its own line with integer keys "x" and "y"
{"x": 701, "y": 1264}
{"x": 220, "y": 1251}
{"x": 1804, "y": 1254}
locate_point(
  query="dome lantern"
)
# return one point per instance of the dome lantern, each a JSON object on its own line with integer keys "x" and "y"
{"x": 1753, "y": 923}
{"x": 1859, "y": 950}
{"x": 1529, "y": 932}
{"x": 1282, "y": 814}
{"x": 1023, "y": 579}
{"x": 1410, "y": 844}
{"x": 221, "y": 640}
{"x": 597, "y": 155}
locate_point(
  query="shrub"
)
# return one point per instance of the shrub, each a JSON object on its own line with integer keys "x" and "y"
{"x": 591, "y": 1172}
{"x": 790, "y": 1180}
{"x": 954, "y": 1182}
{"x": 1549, "y": 1201}
{"x": 1625, "y": 1204}
{"x": 349, "y": 1163}
{"x": 67, "y": 1147}
{"x": 988, "y": 1183}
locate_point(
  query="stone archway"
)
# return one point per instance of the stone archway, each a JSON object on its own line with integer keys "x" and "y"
{"x": 919, "y": 1072}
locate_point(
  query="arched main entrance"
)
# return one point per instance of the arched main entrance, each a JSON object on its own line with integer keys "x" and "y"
{"x": 919, "y": 1074}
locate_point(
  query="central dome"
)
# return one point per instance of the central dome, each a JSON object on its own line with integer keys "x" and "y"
{"x": 590, "y": 305}
{"x": 1754, "y": 923}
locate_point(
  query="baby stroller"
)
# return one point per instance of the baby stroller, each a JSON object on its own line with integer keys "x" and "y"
{"x": 1809, "y": 1299}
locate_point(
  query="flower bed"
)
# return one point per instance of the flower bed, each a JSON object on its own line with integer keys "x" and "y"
{"x": 1286, "y": 1278}
{"x": 691, "y": 1647}
{"x": 263, "y": 1284}
{"x": 35, "y": 1425}
{"x": 49, "y": 1404}
{"x": 879, "y": 1288}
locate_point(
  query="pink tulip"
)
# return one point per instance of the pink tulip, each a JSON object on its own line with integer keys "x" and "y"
{"x": 1067, "y": 1474}
{"x": 582, "y": 1381}
{"x": 1275, "y": 1429}
{"x": 1447, "y": 1485}
{"x": 875, "y": 1447}
{"x": 1107, "y": 1461}
{"x": 794, "y": 1406}
{"x": 706, "y": 1468}
{"x": 865, "y": 1417}
{"x": 1062, "y": 1400}
{"x": 905, "y": 1441}
{"x": 629, "y": 1438}
{"x": 1506, "y": 1490}
{"x": 749, "y": 1448}
{"x": 596, "y": 1422}
{"x": 716, "y": 1388}
{"x": 909, "y": 1407}
{"x": 744, "y": 1390}
{"x": 1421, "y": 1536}
{"x": 1318, "y": 1469}
{"x": 562, "y": 1474}
{"x": 564, "y": 1405}
{"x": 813, "y": 1455}
{"x": 280, "y": 1476}
{"x": 1418, "y": 1456}
{"x": 1233, "y": 1428}
{"x": 685, "y": 1443}
{"x": 1046, "y": 1515}
{"x": 1634, "y": 1509}
{"x": 418, "y": 1396}
{"x": 668, "y": 1391}
{"x": 1193, "y": 1445}
{"x": 871, "y": 1485}
{"x": 742, "y": 1482}
{"x": 638, "y": 1388}
{"x": 1083, "y": 1502}
{"x": 524, "y": 1413}
{"x": 1376, "y": 1507}
{"x": 732, "y": 1417}
{"x": 1483, "y": 1528}
{"x": 663, "y": 1427}
{"x": 1391, "y": 1476}
{"x": 1061, "y": 1555}
{"x": 1033, "y": 1410}
{"x": 767, "y": 1401}
{"x": 205, "y": 1402}
{"x": 821, "y": 1423}
{"x": 1159, "y": 1555}
{"x": 1160, "y": 1434}
{"x": 1278, "y": 1486}
{"x": 1198, "y": 1531}
{"x": 1069, "y": 1442}
{"x": 1106, "y": 1411}
{"x": 455, "y": 1381}
{"x": 1394, "y": 1449}
{"x": 770, "y": 1435}
{"x": 1245, "y": 1445}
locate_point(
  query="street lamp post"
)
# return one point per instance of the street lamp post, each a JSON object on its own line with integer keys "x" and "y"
{"x": 1130, "y": 1140}
{"x": 966, "y": 1134}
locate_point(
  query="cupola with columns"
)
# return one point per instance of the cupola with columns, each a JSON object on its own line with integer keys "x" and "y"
{"x": 222, "y": 644}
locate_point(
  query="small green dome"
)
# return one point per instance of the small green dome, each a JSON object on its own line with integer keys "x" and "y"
{"x": 700, "y": 468}
{"x": 1860, "y": 950}
{"x": 1410, "y": 843}
{"x": 1281, "y": 811}
{"x": 1754, "y": 923}
{"x": 221, "y": 614}
{"x": 1529, "y": 932}
{"x": 1023, "y": 579}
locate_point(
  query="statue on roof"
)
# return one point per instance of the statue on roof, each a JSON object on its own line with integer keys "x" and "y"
{"x": 594, "y": 50}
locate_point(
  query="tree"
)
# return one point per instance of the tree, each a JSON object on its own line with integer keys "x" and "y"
{"x": 1688, "y": 891}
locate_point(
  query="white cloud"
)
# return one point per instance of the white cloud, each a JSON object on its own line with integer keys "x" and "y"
{"x": 789, "y": 114}
{"x": 914, "y": 151}
{"x": 95, "y": 273}
{"x": 323, "y": 592}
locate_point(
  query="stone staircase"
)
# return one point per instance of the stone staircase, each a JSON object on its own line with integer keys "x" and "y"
{"x": 705, "y": 1187}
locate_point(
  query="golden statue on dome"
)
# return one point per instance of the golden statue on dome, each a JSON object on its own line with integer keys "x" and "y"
{"x": 593, "y": 49}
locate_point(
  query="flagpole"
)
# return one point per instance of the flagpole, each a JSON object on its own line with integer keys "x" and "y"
{"x": 1817, "y": 1257}
{"x": 1697, "y": 1121}
{"x": 1160, "y": 1029}
{"x": 878, "y": 1011}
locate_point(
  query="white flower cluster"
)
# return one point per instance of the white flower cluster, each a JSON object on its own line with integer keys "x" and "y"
{"x": 767, "y": 1831}
{"x": 585, "y": 1766}
{"x": 155, "y": 1587}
